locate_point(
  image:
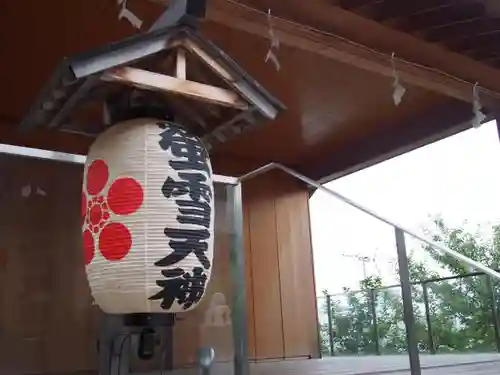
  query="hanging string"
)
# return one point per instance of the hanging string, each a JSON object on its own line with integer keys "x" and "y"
{"x": 345, "y": 40}
{"x": 399, "y": 90}
{"x": 275, "y": 43}
{"x": 479, "y": 116}
{"x": 128, "y": 15}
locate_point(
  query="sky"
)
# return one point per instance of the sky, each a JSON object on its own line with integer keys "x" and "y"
{"x": 455, "y": 178}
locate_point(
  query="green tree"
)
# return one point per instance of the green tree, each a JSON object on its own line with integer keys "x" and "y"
{"x": 461, "y": 310}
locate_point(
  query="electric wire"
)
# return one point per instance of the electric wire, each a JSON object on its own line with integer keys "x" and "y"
{"x": 120, "y": 352}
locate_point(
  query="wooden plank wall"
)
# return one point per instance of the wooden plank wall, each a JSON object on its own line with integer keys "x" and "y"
{"x": 282, "y": 313}
{"x": 47, "y": 321}
{"x": 280, "y": 276}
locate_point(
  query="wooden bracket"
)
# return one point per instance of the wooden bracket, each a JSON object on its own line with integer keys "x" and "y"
{"x": 179, "y": 84}
{"x": 161, "y": 82}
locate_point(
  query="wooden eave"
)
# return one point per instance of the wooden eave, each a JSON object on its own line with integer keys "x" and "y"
{"x": 335, "y": 55}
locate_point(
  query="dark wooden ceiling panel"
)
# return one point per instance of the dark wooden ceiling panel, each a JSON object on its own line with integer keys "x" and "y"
{"x": 471, "y": 27}
{"x": 433, "y": 18}
{"x": 386, "y": 10}
{"x": 468, "y": 28}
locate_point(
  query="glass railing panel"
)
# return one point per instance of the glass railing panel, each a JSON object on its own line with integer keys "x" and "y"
{"x": 390, "y": 323}
{"x": 325, "y": 337}
{"x": 455, "y": 315}
{"x": 352, "y": 316}
{"x": 208, "y": 329}
{"x": 461, "y": 315}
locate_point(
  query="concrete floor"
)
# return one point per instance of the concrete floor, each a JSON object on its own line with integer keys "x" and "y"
{"x": 476, "y": 369}
{"x": 398, "y": 365}
{"x": 446, "y": 364}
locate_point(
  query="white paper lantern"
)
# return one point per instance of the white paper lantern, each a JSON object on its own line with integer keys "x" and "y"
{"x": 148, "y": 218}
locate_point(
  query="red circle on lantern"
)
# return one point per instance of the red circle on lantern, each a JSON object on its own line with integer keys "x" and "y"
{"x": 88, "y": 247}
{"x": 125, "y": 196}
{"x": 115, "y": 241}
{"x": 97, "y": 176}
{"x": 95, "y": 214}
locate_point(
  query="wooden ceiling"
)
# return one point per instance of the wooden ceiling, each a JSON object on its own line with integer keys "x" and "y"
{"x": 340, "y": 113}
{"x": 469, "y": 27}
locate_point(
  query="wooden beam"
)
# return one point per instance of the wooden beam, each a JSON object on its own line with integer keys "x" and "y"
{"x": 369, "y": 33}
{"x": 211, "y": 62}
{"x": 160, "y": 82}
{"x": 353, "y": 4}
{"x": 436, "y": 124}
{"x": 180, "y": 64}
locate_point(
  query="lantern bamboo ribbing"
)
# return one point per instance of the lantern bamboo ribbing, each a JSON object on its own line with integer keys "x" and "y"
{"x": 148, "y": 218}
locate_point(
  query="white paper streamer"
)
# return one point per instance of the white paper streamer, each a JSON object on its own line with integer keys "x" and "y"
{"x": 26, "y": 191}
{"x": 41, "y": 192}
{"x": 275, "y": 43}
{"x": 128, "y": 15}
{"x": 399, "y": 90}
{"x": 479, "y": 116}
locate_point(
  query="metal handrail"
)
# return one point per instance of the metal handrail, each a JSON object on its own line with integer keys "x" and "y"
{"x": 350, "y": 202}
{"x": 433, "y": 280}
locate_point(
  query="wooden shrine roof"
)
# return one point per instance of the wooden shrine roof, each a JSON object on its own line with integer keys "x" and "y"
{"x": 335, "y": 78}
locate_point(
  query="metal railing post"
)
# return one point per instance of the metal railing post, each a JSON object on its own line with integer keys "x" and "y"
{"x": 494, "y": 311}
{"x": 430, "y": 338}
{"x": 408, "y": 317}
{"x": 373, "y": 306}
{"x": 330, "y": 324}
{"x": 237, "y": 269}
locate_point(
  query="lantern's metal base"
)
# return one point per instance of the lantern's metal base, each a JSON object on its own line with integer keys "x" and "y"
{"x": 149, "y": 320}
{"x": 123, "y": 337}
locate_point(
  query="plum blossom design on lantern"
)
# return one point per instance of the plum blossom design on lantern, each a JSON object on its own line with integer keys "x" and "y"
{"x": 124, "y": 197}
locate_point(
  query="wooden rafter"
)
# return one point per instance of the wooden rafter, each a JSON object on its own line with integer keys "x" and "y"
{"x": 390, "y": 9}
{"x": 204, "y": 56}
{"x": 375, "y": 36}
{"x": 161, "y": 82}
{"x": 439, "y": 17}
{"x": 353, "y": 4}
{"x": 460, "y": 30}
